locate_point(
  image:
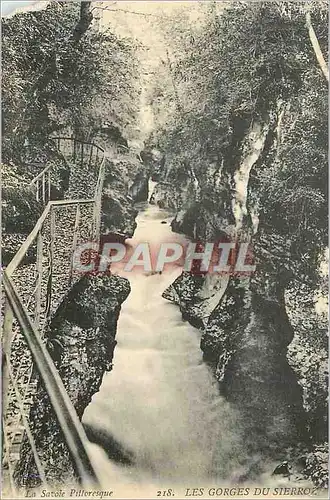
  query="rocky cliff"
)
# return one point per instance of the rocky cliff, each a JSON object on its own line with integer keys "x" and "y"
{"x": 243, "y": 320}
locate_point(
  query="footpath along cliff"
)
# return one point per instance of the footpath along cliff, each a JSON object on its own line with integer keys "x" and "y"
{"x": 238, "y": 148}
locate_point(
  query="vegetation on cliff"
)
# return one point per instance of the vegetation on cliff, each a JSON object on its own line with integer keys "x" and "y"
{"x": 240, "y": 123}
{"x": 61, "y": 73}
{"x": 53, "y": 79}
{"x": 247, "y": 64}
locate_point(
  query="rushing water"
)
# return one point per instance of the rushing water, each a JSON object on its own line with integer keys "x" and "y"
{"x": 160, "y": 401}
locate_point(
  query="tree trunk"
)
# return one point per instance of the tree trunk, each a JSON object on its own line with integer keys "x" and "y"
{"x": 85, "y": 19}
{"x": 316, "y": 46}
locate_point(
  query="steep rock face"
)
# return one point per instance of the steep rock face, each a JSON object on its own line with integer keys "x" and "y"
{"x": 256, "y": 375}
{"x": 81, "y": 341}
{"x": 226, "y": 322}
{"x": 203, "y": 205}
{"x": 118, "y": 212}
{"x": 130, "y": 174}
{"x": 245, "y": 328}
{"x": 308, "y": 353}
{"x": 139, "y": 189}
{"x": 165, "y": 195}
{"x": 197, "y": 296}
{"x": 155, "y": 161}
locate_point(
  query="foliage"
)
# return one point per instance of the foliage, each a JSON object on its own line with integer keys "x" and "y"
{"x": 292, "y": 182}
{"x": 246, "y": 64}
{"x": 20, "y": 210}
{"x": 51, "y": 80}
{"x": 317, "y": 466}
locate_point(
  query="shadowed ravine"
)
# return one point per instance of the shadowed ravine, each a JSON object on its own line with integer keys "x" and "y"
{"x": 160, "y": 402}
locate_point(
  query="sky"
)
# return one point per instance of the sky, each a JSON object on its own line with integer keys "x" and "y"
{"x": 8, "y": 7}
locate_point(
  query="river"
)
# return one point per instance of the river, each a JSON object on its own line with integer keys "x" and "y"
{"x": 160, "y": 401}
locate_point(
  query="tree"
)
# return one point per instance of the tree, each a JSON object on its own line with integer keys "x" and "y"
{"x": 60, "y": 72}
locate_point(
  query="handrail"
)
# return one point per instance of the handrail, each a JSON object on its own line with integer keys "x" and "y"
{"x": 79, "y": 141}
{"x": 18, "y": 257}
{"x": 48, "y": 167}
{"x": 70, "y": 424}
{"x": 39, "y": 176}
{"x": 43, "y": 178}
{"x": 66, "y": 415}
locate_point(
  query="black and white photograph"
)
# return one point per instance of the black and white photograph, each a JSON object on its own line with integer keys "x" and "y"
{"x": 164, "y": 249}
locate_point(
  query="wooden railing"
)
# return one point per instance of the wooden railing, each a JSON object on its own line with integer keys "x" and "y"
{"x": 81, "y": 153}
{"x": 67, "y": 418}
{"x": 33, "y": 292}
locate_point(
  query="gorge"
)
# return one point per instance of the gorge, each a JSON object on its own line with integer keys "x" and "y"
{"x": 213, "y": 122}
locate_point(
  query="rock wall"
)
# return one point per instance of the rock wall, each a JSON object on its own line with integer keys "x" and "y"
{"x": 126, "y": 182}
{"x": 243, "y": 320}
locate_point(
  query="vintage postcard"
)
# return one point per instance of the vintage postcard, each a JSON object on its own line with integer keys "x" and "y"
{"x": 164, "y": 249}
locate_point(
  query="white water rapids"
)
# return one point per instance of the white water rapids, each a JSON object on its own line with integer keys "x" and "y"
{"x": 160, "y": 401}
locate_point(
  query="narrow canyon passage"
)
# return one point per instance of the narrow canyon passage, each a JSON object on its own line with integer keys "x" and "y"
{"x": 160, "y": 401}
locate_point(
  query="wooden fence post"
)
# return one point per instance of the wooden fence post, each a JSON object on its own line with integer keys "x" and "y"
{"x": 90, "y": 155}
{"x": 44, "y": 187}
{"x": 37, "y": 190}
{"x": 51, "y": 262}
{"x": 37, "y": 309}
{"x": 74, "y": 241}
{"x": 7, "y": 336}
{"x": 82, "y": 154}
{"x": 49, "y": 185}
